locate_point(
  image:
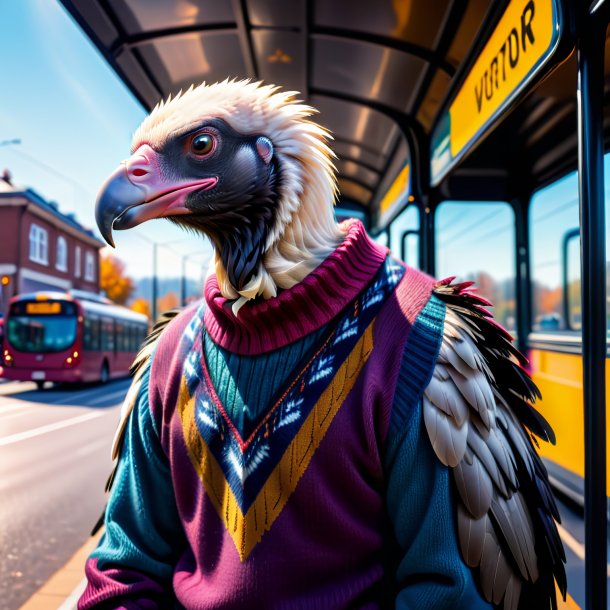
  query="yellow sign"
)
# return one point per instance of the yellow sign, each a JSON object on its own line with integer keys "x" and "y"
{"x": 43, "y": 307}
{"x": 524, "y": 38}
{"x": 398, "y": 188}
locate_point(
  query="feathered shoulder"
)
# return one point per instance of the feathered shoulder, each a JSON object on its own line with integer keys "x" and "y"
{"x": 479, "y": 415}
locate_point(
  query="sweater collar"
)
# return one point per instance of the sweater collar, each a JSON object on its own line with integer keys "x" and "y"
{"x": 266, "y": 325}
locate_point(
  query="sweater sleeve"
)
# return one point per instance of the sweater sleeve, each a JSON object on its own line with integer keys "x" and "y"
{"x": 133, "y": 565}
{"x": 430, "y": 572}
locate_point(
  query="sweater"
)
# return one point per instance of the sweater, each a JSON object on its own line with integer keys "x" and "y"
{"x": 278, "y": 459}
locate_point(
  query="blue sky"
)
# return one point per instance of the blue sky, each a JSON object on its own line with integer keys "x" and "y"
{"x": 75, "y": 119}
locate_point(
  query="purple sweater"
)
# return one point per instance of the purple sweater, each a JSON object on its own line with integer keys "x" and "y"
{"x": 292, "y": 513}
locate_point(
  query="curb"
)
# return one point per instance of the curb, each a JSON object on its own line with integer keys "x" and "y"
{"x": 64, "y": 588}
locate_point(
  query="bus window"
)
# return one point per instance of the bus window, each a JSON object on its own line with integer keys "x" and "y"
{"x": 92, "y": 332}
{"x": 106, "y": 334}
{"x": 475, "y": 241}
{"x": 404, "y": 239}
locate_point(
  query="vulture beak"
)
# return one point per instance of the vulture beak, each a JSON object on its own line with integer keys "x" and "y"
{"x": 136, "y": 192}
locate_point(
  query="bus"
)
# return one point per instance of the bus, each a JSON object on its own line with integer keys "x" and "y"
{"x": 69, "y": 337}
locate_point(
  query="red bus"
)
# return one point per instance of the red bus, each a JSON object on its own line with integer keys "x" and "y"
{"x": 69, "y": 337}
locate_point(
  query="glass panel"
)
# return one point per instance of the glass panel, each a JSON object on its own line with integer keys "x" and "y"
{"x": 573, "y": 290}
{"x": 41, "y": 334}
{"x": 553, "y": 215}
{"x": 418, "y": 23}
{"x": 383, "y": 74}
{"x": 475, "y": 241}
{"x": 146, "y": 15}
{"x": 408, "y": 220}
{"x": 382, "y": 238}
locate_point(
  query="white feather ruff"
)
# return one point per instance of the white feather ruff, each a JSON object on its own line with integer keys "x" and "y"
{"x": 305, "y": 231}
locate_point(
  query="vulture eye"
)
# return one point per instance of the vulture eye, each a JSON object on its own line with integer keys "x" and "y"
{"x": 203, "y": 144}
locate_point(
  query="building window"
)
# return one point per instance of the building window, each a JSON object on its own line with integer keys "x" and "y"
{"x": 62, "y": 254}
{"x": 89, "y": 267}
{"x": 39, "y": 245}
{"x": 77, "y": 257}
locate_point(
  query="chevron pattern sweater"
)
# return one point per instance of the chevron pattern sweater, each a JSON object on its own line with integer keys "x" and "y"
{"x": 278, "y": 459}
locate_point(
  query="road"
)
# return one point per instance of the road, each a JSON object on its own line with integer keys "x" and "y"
{"x": 54, "y": 461}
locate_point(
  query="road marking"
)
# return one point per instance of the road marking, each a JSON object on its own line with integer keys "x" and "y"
{"x": 88, "y": 392}
{"x": 93, "y": 447}
{"x": 14, "y": 406}
{"x": 576, "y": 547}
{"x": 21, "y": 436}
{"x": 119, "y": 393}
{"x": 29, "y": 411}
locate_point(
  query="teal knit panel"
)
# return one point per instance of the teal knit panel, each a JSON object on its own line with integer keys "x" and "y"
{"x": 247, "y": 385}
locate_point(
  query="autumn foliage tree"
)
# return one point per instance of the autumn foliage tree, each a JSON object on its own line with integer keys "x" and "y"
{"x": 141, "y": 305}
{"x": 113, "y": 281}
{"x": 168, "y": 301}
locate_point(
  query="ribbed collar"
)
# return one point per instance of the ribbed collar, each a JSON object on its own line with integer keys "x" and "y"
{"x": 265, "y": 325}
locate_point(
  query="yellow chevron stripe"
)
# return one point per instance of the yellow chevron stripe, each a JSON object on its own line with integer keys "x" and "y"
{"x": 247, "y": 530}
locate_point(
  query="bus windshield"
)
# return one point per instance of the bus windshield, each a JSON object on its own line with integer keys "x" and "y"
{"x": 34, "y": 328}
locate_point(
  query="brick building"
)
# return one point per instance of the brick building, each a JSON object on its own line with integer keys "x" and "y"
{"x": 40, "y": 247}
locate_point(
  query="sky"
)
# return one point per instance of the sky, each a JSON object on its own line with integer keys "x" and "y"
{"x": 75, "y": 119}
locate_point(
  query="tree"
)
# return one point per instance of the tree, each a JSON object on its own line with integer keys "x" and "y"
{"x": 141, "y": 305}
{"x": 167, "y": 301}
{"x": 113, "y": 281}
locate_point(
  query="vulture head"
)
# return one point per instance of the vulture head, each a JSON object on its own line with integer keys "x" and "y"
{"x": 243, "y": 164}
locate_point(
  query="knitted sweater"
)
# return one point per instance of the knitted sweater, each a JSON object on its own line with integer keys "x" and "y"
{"x": 278, "y": 459}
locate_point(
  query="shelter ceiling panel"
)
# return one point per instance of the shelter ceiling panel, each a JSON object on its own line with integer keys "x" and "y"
{"x": 354, "y": 191}
{"x": 395, "y": 165}
{"x": 346, "y": 149}
{"x": 181, "y": 60}
{"x": 435, "y": 95}
{"x": 350, "y": 169}
{"x": 276, "y": 13}
{"x": 281, "y": 58}
{"x": 139, "y": 80}
{"x": 408, "y": 20}
{"x": 93, "y": 13}
{"x": 468, "y": 31}
{"x": 138, "y": 16}
{"x": 366, "y": 128}
{"x": 367, "y": 71}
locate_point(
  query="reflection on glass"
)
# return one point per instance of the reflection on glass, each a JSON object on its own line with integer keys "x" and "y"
{"x": 475, "y": 241}
{"x": 408, "y": 220}
{"x": 42, "y": 334}
{"x": 554, "y": 217}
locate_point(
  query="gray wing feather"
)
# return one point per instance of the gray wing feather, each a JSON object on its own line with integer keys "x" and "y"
{"x": 448, "y": 440}
{"x": 473, "y": 430}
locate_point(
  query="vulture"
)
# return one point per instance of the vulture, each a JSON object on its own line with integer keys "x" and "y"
{"x": 326, "y": 427}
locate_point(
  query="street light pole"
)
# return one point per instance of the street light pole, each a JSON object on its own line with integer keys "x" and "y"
{"x": 183, "y": 282}
{"x": 154, "y": 284}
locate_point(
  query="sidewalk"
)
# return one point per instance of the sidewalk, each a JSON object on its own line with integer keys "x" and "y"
{"x": 62, "y": 590}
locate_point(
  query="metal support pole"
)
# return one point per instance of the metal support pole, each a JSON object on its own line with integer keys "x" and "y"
{"x": 154, "y": 285}
{"x": 593, "y": 266}
{"x": 523, "y": 300}
{"x": 183, "y": 283}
